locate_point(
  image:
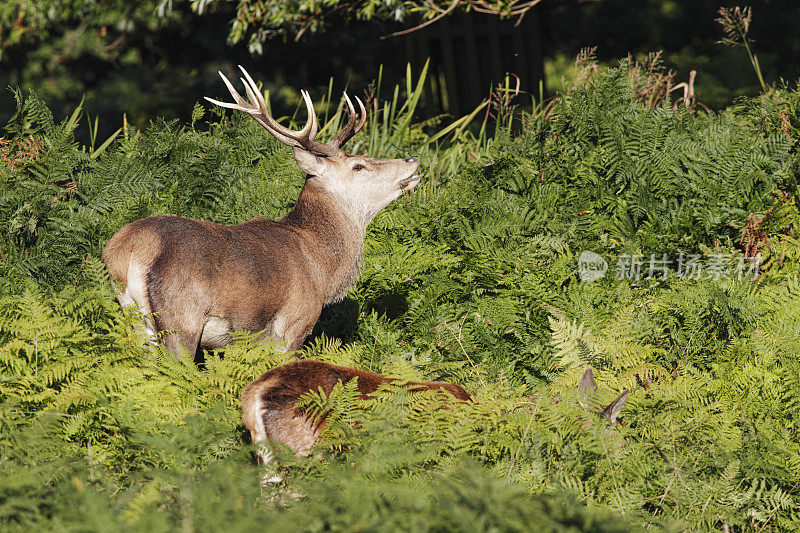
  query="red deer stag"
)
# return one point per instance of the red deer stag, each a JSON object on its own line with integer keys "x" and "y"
{"x": 268, "y": 404}
{"x": 197, "y": 281}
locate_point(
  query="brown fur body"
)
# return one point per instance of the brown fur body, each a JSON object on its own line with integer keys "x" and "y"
{"x": 201, "y": 280}
{"x": 268, "y": 404}
{"x": 196, "y": 282}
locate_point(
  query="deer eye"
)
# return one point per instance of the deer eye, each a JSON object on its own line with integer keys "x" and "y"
{"x": 358, "y": 167}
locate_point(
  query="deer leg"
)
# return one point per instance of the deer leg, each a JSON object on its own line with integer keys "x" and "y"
{"x": 147, "y": 328}
{"x": 179, "y": 328}
{"x": 295, "y": 333}
{"x": 266, "y": 458}
{"x": 177, "y": 334}
{"x": 295, "y": 343}
{"x": 283, "y": 426}
{"x": 177, "y": 341}
{"x": 134, "y": 295}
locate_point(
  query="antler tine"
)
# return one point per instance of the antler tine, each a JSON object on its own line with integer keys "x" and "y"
{"x": 363, "y": 120}
{"x": 347, "y": 131}
{"x": 257, "y": 96}
{"x": 312, "y": 115}
{"x": 240, "y": 105}
{"x": 302, "y": 136}
{"x": 243, "y": 105}
{"x": 251, "y": 95}
{"x": 351, "y": 128}
{"x": 256, "y": 106}
{"x": 350, "y": 109}
{"x": 251, "y": 109}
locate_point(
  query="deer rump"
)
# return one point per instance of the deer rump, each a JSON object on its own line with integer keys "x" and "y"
{"x": 268, "y": 404}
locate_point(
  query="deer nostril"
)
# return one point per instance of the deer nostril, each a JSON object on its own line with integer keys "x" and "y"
{"x": 411, "y": 160}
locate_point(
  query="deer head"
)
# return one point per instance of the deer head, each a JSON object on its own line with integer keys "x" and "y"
{"x": 587, "y": 387}
{"x": 363, "y": 185}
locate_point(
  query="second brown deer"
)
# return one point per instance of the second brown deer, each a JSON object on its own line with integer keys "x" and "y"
{"x": 271, "y": 415}
{"x": 196, "y": 281}
{"x": 268, "y": 404}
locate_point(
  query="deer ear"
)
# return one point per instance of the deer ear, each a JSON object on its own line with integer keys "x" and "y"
{"x": 587, "y": 387}
{"x": 612, "y": 411}
{"x": 309, "y": 163}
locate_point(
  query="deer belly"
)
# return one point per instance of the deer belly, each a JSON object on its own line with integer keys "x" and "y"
{"x": 216, "y": 332}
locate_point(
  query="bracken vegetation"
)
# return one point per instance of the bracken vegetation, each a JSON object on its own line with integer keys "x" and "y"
{"x": 472, "y": 278}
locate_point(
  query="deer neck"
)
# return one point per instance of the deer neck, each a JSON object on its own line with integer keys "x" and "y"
{"x": 333, "y": 236}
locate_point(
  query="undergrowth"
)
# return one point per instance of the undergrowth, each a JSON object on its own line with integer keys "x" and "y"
{"x": 472, "y": 278}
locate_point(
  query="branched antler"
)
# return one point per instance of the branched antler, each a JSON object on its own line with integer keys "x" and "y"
{"x": 256, "y": 106}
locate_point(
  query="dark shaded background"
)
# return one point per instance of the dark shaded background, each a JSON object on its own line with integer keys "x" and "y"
{"x": 162, "y": 68}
